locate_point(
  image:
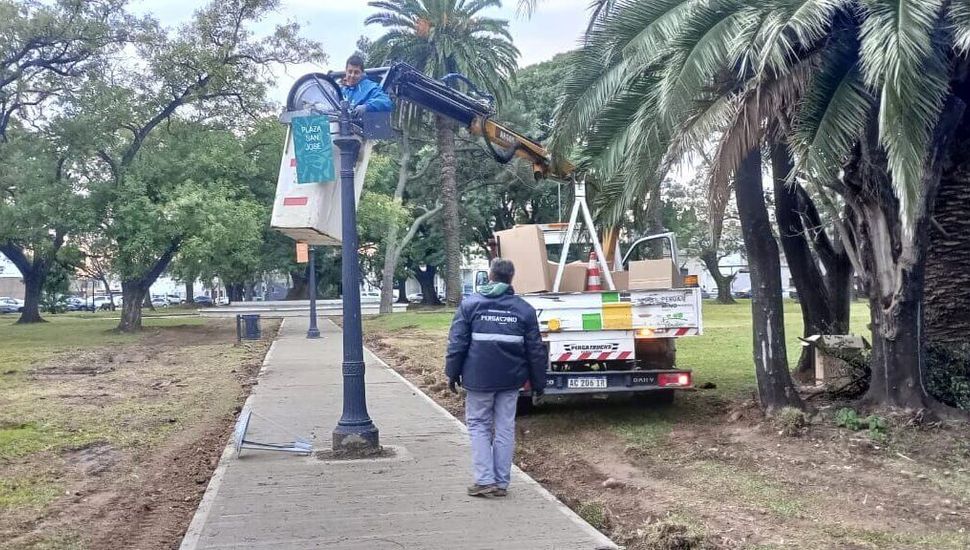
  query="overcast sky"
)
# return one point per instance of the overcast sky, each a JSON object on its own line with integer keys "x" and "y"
{"x": 337, "y": 24}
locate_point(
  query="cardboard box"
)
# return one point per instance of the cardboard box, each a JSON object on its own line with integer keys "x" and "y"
{"x": 621, "y": 279}
{"x": 654, "y": 274}
{"x": 573, "y": 277}
{"x": 525, "y": 247}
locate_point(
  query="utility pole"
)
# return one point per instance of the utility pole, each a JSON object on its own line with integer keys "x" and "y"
{"x": 313, "y": 331}
{"x": 355, "y": 433}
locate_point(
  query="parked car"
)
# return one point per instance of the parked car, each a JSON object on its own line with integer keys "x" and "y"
{"x": 7, "y": 303}
{"x": 173, "y": 299}
{"x": 98, "y": 303}
{"x": 159, "y": 301}
{"x": 370, "y": 296}
{"x": 203, "y": 300}
{"x": 75, "y": 303}
{"x": 708, "y": 294}
{"x": 743, "y": 293}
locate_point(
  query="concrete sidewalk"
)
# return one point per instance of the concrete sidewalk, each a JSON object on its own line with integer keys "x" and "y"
{"x": 415, "y": 500}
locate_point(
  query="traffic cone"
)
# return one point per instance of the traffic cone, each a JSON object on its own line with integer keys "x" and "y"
{"x": 593, "y": 281}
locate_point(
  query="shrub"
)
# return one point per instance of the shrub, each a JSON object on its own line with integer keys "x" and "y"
{"x": 948, "y": 373}
{"x": 791, "y": 422}
{"x": 849, "y": 419}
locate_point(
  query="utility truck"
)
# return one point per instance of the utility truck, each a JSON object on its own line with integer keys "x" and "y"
{"x": 610, "y": 340}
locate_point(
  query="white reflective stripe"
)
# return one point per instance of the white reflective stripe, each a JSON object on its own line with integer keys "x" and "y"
{"x": 486, "y": 337}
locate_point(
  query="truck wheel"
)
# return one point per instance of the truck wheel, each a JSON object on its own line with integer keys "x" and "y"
{"x": 657, "y": 398}
{"x": 524, "y": 405}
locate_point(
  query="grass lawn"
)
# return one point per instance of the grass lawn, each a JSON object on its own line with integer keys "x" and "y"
{"x": 710, "y": 471}
{"x": 84, "y": 412}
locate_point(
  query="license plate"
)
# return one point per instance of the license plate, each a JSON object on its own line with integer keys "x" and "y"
{"x": 587, "y": 383}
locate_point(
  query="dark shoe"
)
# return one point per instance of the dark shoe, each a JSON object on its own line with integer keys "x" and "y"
{"x": 481, "y": 490}
{"x": 499, "y": 492}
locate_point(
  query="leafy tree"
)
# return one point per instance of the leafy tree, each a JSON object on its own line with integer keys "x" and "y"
{"x": 46, "y": 46}
{"x": 43, "y": 203}
{"x": 685, "y": 212}
{"x": 214, "y": 69}
{"x": 441, "y": 38}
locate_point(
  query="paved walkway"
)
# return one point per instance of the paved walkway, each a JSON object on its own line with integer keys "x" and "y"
{"x": 414, "y": 501}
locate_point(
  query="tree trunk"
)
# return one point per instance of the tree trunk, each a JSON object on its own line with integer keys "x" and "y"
{"x": 402, "y": 290}
{"x": 132, "y": 296}
{"x": 449, "y": 198}
{"x": 893, "y": 262}
{"x": 425, "y": 278}
{"x": 34, "y": 272}
{"x": 387, "y": 275}
{"x": 189, "y": 292}
{"x": 813, "y": 296}
{"x": 947, "y": 289}
{"x": 135, "y": 291}
{"x": 723, "y": 282}
{"x": 299, "y": 289}
{"x": 33, "y": 288}
{"x": 775, "y": 388}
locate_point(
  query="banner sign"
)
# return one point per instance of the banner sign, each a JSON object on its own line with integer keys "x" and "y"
{"x": 314, "y": 149}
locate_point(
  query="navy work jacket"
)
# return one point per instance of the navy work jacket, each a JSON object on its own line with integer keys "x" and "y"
{"x": 494, "y": 344}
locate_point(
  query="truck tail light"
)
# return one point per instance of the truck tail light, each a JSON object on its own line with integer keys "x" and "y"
{"x": 645, "y": 332}
{"x": 691, "y": 281}
{"x": 674, "y": 379}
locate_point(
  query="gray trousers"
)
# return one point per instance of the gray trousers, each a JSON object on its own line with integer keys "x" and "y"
{"x": 490, "y": 417}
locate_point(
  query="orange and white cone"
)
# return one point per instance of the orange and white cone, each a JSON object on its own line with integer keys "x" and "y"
{"x": 593, "y": 281}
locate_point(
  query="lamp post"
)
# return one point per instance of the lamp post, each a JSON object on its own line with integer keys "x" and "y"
{"x": 313, "y": 331}
{"x": 355, "y": 432}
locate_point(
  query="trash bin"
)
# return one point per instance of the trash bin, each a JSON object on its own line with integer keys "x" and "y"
{"x": 247, "y": 327}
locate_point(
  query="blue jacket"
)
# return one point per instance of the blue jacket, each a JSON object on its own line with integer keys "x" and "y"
{"x": 369, "y": 93}
{"x": 494, "y": 344}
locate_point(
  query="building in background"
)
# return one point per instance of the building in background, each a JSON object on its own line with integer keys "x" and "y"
{"x": 11, "y": 281}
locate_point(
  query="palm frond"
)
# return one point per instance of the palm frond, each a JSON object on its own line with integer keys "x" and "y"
{"x": 832, "y": 115}
{"x": 902, "y": 61}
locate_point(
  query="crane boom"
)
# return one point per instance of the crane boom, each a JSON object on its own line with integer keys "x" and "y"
{"x": 440, "y": 96}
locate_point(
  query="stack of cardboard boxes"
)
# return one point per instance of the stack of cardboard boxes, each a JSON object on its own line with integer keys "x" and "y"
{"x": 525, "y": 246}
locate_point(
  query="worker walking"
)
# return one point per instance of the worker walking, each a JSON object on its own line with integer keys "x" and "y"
{"x": 363, "y": 94}
{"x": 494, "y": 348}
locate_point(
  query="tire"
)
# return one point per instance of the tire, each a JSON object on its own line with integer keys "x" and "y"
{"x": 656, "y": 398}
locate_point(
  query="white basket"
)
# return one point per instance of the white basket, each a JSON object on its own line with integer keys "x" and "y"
{"x": 311, "y": 211}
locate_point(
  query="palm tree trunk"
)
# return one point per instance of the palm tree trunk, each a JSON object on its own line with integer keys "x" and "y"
{"x": 813, "y": 295}
{"x": 947, "y": 290}
{"x": 893, "y": 262}
{"x": 449, "y": 198}
{"x": 775, "y": 388}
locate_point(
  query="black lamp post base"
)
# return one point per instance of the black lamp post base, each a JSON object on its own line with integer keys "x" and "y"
{"x": 356, "y": 441}
{"x": 313, "y": 333}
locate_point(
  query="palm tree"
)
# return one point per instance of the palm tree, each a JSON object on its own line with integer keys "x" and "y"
{"x": 863, "y": 98}
{"x": 441, "y": 37}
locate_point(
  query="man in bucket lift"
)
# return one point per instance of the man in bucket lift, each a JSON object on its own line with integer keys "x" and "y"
{"x": 364, "y": 94}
